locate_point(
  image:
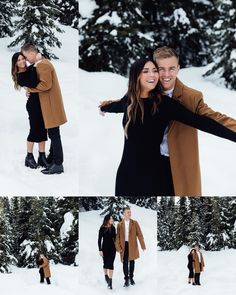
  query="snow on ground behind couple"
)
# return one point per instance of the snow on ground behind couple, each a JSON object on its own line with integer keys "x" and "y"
{"x": 23, "y": 281}
{"x": 101, "y": 138}
{"x": 14, "y": 176}
{"x": 218, "y": 277}
{"x": 91, "y": 277}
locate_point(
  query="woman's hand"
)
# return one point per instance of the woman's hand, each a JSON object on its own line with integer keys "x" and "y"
{"x": 101, "y": 253}
{"x": 105, "y": 102}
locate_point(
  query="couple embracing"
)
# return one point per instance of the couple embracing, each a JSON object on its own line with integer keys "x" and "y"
{"x": 44, "y": 105}
{"x": 124, "y": 242}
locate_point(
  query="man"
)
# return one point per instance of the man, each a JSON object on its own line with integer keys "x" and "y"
{"x": 128, "y": 231}
{"x": 51, "y": 104}
{"x": 182, "y": 162}
{"x": 198, "y": 263}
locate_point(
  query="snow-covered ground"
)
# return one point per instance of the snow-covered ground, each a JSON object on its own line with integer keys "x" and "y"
{"x": 15, "y": 179}
{"x": 91, "y": 277}
{"x": 218, "y": 277}
{"x": 101, "y": 138}
{"x": 23, "y": 281}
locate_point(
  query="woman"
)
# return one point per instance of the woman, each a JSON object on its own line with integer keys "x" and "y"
{"x": 190, "y": 267}
{"x": 27, "y": 77}
{"x": 106, "y": 246}
{"x": 146, "y": 115}
{"x": 44, "y": 270}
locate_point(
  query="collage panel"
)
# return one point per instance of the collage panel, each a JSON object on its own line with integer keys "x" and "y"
{"x": 39, "y": 97}
{"x": 196, "y": 245}
{"x": 39, "y": 245}
{"x": 117, "y": 245}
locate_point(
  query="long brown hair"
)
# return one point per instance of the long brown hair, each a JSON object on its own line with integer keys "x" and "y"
{"x": 14, "y": 68}
{"x": 136, "y": 106}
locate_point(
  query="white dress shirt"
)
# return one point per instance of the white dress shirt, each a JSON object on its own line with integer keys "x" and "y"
{"x": 164, "y": 149}
{"x": 127, "y": 230}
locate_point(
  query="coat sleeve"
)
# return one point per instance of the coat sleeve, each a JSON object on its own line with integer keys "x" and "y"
{"x": 140, "y": 236}
{"x": 100, "y": 234}
{"x": 204, "y": 110}
{"x": 178, "y": 112}
{"x": 45, "y": 78}
{"x": 117, "y": 106}
{"x": 45, "y": 263}
{"x": 118, "y": 241}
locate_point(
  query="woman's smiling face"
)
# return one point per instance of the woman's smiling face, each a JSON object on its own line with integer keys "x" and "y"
{"x": 21, "y": 62}
{"x": 149, "y": 77}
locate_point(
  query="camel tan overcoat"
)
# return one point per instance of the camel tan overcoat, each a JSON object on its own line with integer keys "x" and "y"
{"x": 135, "y": 234}
{"x": 196, "y": 264}
{"x": 46, "y": 269}
{"x": 49, "y": 95}
{"x": 183, "y": 141}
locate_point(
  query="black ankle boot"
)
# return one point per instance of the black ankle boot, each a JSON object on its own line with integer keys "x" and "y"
{"x": 42, "y": 161}
{"x": 110, "y": 284}
{"x": 30, "y": 161}
{"x": 107, "y": 279}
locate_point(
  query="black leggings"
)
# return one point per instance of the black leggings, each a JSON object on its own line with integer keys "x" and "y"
{"x": 191, "y": 273}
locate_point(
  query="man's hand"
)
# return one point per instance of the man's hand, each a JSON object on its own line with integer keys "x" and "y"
{"x": 27, "y": 93}
{"x": 101, "y": 253}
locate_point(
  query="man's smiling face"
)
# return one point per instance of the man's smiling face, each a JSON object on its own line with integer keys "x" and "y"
{"x": 168, "y": 70}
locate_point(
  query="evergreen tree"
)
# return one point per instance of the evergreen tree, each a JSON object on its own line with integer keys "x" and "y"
{"x": 182, "y": 25}
{"x": 69, "y": 15}
{"x": 224, "y": 42}
{"x": 6, "y": 257}
{"x": 37, "y": 25}
{"x": 195, "y": 227}
{"x": 146, "y": 202}
{"x": 114, "y": 36}
{"x": 166, "y": 223}
{"x": 7, "y": 9}
{"x": 183, "y": 219}
{"x": 114, "y": 206}
{"x": 90, "y": 203}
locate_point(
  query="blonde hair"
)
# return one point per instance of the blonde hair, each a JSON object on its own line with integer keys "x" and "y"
{"x": 165, "y": 52}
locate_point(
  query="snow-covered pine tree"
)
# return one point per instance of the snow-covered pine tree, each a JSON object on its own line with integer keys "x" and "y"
{"x": 183, "y": 220}
{"x": 196, "y": 223}
{"x": 7, "y": 9}
{"x": 114, "y": 206}
{"x": 228, "y": 218}
{"x": 182, "y": 25}
{"x": 114, "y": 36}
{"x": 214, "y": 238}
{"x": 70, "y": 238}
{"x": 90, "y": 203}
{"x": 6, "y": 257}
{"x": 37, "y": 25}
{"x": 166, "y": 215}
{"x": 224, "y": 43}
{"x": 69, "y": 15}
{"x": 146, "y": 202}
{"x": 68, "y": 210}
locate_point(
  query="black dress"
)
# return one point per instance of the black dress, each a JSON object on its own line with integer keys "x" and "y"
{"x": 141, "y": 166}
{"x": 190, "y": 266}
{"x": 106, "y": 244}
{"x": 37, "y": 131}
